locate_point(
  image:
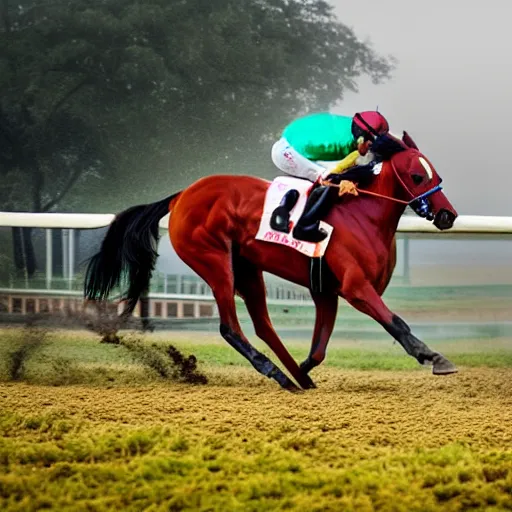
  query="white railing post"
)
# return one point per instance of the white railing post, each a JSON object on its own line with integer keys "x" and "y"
{"x": 71, "y": 258}
{"x": 49, "y": 258}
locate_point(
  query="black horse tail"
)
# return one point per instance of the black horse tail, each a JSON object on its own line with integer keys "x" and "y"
{"x": 128, "y": 252}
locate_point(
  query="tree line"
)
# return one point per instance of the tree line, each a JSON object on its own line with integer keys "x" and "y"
{"x": 108, "y": 103}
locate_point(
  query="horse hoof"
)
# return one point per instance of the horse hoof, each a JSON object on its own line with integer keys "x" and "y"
{"x": 294, "y": 389}
{"x": 291, "y": 387}
{"x": 306, "y": 382}
{"x": 441, "y": 366}
{"x": 283, "y": 380}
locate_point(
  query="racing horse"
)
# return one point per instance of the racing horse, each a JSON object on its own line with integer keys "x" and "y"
{"x": 212, "y": 228}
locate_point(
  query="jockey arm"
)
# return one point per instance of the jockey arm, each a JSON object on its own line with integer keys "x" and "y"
{"x": 349, "y": 161}
{"x": 351, "y": 170}
{"x": 358, "y": 166}
{"x": 355, "y": 159}
{"x": 358, "y": 174}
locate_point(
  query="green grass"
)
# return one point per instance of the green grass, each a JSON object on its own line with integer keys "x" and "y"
{"x": 78, "y": 357}
{"x": 343, "y": 354}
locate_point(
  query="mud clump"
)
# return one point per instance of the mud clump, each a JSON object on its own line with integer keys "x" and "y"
{"x": 166, "y": 360}
{"x": 187, "y": 366}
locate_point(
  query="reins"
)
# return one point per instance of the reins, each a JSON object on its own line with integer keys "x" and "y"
{"x": 389, "y": 198}
{"x": 367, "y": 192}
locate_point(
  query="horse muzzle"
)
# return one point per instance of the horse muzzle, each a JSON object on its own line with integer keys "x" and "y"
{"x": 444, "y": 219}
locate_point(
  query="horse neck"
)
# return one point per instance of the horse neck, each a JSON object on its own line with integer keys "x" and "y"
{"x": 383, "y": 214}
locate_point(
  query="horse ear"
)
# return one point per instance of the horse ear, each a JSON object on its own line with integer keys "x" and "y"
{"x": 407, "y": 139}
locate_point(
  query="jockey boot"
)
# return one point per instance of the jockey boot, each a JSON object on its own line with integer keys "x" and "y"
{"x": 308, "y": 226}
{"x": 280, "y": 220}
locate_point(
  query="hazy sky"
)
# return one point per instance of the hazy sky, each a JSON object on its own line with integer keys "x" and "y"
{"x": 451, "y": 90}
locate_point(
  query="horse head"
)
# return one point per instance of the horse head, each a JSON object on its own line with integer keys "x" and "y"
{"x": 421, "y": 184}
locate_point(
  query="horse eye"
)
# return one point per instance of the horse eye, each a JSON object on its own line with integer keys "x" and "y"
{"x": 417, "y": 178}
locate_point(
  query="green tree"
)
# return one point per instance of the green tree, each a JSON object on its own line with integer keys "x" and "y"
{"x": 107, "y": 103}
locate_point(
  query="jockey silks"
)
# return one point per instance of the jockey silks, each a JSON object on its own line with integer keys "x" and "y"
{"x": 321, "y": 136}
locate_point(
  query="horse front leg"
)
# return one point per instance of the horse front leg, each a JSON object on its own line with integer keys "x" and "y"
{"x": 326, "y": 311}
{"x": 360, "y": 293}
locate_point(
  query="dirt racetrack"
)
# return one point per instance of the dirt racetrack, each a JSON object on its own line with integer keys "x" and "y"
{"x": 363, "y": 441}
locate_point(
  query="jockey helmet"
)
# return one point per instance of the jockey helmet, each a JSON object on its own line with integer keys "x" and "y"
{"x": 369, "y": 125}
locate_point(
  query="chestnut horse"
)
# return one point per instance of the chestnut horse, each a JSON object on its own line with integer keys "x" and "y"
{"x": 212, "y": 227}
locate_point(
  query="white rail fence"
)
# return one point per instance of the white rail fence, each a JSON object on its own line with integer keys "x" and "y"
{"x": 411, "y": 225}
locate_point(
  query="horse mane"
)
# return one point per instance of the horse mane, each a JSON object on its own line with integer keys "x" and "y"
{"x": 386, "y": 146}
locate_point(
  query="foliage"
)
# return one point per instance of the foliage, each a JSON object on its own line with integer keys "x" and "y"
{"x": 98, "y": 96}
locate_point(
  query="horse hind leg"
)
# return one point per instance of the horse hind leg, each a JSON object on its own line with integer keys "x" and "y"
{"x": 215, "y": 267}
{"x": 250, "y": 285}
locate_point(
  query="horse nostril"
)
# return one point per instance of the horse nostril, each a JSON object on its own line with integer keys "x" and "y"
{"x": 444, "y": 220}
{"x": 448, "y": 218}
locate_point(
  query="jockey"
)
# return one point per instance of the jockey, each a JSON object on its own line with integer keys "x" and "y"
{"x": 323, "y": 137}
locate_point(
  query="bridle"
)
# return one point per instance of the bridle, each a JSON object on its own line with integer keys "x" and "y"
{"x": 419, "y": 203}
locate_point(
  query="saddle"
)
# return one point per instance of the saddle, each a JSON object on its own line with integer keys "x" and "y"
{"x": 292, "y": 216}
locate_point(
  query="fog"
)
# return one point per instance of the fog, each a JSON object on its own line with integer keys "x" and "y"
{"x": 451, "y": 92}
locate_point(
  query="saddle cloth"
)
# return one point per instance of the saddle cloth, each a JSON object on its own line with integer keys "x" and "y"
{"x": 273, "y": 197}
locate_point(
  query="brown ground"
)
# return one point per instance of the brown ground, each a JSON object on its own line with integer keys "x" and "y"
{"x": 362, "y": 441}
